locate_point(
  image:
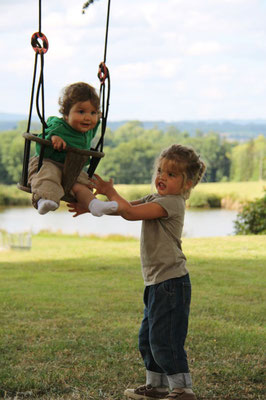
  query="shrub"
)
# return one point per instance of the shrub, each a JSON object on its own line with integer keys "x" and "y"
{"x": 214, "y": 201}
{"x": 204, "y": 200}
{"x": 252, "y": 218}
{"x": 197, "y": 199}
{"x": 10, "y": 195}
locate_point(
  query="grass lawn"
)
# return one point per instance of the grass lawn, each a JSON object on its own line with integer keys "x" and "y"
{"x": 71, "y": 309}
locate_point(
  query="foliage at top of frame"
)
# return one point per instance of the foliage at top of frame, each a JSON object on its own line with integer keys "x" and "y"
{"x": 86, "y": 5}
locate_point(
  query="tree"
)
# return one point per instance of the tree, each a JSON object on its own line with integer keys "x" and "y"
{"x": 131, "y": 149}
{"x": 128, "y": 132}
{"x": 214, "y": 152}
{"x": 11, "y": 156}
{"x": 130, "y": 162}
{"x": 252, "y": 219}
{"x": 135, "y": 145}
{"x": 86, "y": 5}
{"x": 248, "y": 160}
{"x": 11, "y": 152}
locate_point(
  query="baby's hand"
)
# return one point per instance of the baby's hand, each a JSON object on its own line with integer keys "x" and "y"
{"x": 58, "y": 143}
{"x": 77, "y": 209}
{"x": 100, "y": 185}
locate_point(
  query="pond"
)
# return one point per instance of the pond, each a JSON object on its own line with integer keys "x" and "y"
{"x": 198, "y": 223}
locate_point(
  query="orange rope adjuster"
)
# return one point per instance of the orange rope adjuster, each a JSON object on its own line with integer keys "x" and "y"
{"x": 36, "y": 45}
{"x": 103, "y": 72}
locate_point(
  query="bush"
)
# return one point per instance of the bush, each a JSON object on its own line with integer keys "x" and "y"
{"x": 204, "y": 200}
{"x": 10, "y": 195}
{"x": 197, "y": 199}
{"x": 214, "y": 201}
{"x": 252, "y": 219}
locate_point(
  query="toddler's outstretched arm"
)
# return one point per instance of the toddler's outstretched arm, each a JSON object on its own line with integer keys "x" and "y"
{"x": 132, "y": 211}
{"x": 107, "y": 188}
{"x": 88, "y": 202}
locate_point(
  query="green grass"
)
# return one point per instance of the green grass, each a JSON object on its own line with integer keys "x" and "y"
{"x": 71, "y": 309}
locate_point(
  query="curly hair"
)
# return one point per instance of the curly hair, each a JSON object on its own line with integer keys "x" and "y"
{"x": 187, "y": 162}
{"x": 75, "y": 93}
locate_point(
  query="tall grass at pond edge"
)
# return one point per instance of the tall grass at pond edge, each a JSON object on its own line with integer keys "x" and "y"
{"x": 230, "y": 195}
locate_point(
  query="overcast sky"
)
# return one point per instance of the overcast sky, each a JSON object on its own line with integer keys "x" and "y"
{"x": 168, "y": 59}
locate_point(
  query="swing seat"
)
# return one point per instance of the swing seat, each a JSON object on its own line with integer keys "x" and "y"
{"x": 74, "y": 163}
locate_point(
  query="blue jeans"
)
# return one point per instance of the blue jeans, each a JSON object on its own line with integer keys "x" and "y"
{"x": 164, "y": 327}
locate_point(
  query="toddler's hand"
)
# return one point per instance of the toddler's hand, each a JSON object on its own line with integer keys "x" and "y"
{"x": 58, "y": 143}
{"x": 77, "y": 209}
{"x": 100, "y": 185}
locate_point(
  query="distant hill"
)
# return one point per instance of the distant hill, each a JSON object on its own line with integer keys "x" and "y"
{"x": 231, "y": 129}
{"x": 10, "y": 121}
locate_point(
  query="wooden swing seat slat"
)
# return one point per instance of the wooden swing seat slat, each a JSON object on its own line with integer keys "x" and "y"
{"x": 75, "y": 161}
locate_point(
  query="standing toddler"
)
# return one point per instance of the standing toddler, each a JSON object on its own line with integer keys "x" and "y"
{"x": 167, "y": 291}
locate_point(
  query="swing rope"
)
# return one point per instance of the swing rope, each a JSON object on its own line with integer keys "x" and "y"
{"x": 103, "y": 75}
{"x": 39, "y": 51}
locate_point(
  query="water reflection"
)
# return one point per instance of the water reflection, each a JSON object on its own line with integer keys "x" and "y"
{"x": 203, "y": 223}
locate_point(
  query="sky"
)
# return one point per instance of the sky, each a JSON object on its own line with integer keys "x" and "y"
{"x": 169, "y": 60}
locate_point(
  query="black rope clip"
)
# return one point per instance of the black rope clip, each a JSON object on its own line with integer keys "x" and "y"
{"x": 36, "y": 45}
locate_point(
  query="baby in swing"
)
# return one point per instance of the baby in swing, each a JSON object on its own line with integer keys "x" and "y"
{"x": 80, "y": 109}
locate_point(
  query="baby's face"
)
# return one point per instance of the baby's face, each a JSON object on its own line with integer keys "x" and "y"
{"x": 82, "y": 116}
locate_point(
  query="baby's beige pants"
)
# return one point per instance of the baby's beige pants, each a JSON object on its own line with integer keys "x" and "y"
{"x": 47, "y": 182}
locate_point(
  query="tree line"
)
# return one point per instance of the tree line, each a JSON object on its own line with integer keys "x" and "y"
{"x": 131, "y": 149}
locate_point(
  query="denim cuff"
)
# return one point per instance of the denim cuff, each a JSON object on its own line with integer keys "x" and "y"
{"x": 182, "y": 380}
{"x": 156, "y": 379}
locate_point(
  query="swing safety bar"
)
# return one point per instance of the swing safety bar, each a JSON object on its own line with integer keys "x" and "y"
{"x": 87, "y": 153}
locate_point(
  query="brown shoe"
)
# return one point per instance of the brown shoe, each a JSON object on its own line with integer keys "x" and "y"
{"x": 180, "y": 394}
{"x": 146, "y": 392}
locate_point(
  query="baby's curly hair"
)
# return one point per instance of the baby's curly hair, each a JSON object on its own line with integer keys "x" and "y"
{"x": 187, "y": 162}
{"x": 75, "y": 93}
